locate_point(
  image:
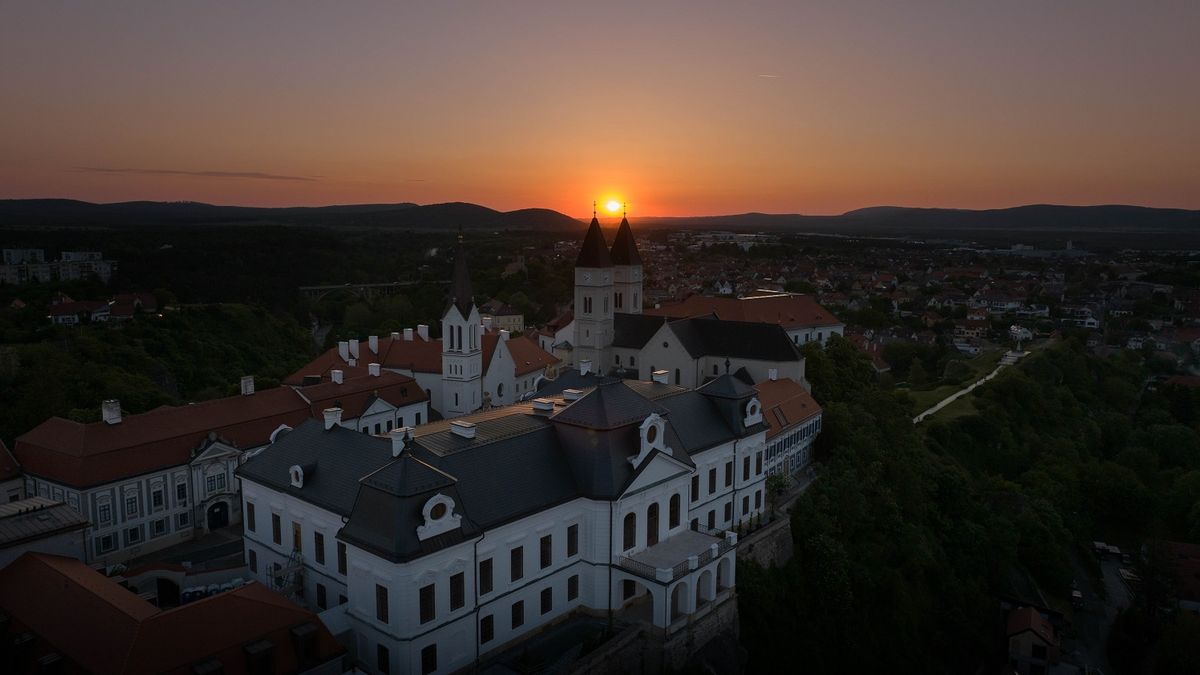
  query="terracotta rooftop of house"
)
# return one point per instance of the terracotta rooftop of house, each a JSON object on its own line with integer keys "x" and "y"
{"x": 788, "y": 310}
{"x": 785, "y": 403}
{"x": 108, "y": 629}
{"x": 528, "y": 356}
{"x": 1029, "y": 619}
{"x": 83, "y": 455}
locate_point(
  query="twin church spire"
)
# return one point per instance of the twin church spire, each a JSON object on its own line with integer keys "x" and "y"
{"x": 595, "y": 252}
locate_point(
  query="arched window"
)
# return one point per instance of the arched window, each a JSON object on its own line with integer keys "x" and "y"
{"x": 674, "y": 512}
{"x": 630, "y": 531}
{"x": 652, "y": 525}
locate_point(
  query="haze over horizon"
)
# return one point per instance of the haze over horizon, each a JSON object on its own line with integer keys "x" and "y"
{"x": 681, "y": 109}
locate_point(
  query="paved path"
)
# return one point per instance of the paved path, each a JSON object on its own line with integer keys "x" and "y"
{"x": 1009, "y": 359}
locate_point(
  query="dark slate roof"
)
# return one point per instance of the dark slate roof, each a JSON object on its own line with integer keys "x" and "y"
{"x": 633, "y": 331}
{"x": 519, "y": 462}
{"x": 460, "y": 285}
{"x": 744, "y": 375}
{"x": 727, "y": 386}
{"x": 594, "y": 252}
{"x": 570, "y": 378}
{"x": 737, "y": 339}
{"x": 607, "y": 406}
{"x": 624, "y": 248}
{"x": 35, "y": 518}
{"x": 342, "y": 457}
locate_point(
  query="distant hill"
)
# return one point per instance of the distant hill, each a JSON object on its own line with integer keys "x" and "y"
{"x": 965, "y": 223}
{"x": 71, "y": 213}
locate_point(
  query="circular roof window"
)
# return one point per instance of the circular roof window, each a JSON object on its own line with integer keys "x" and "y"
{"x": 651, "y": 434}
{"x": 438, "y": 511}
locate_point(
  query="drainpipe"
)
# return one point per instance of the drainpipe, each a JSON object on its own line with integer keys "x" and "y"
{"x": 610, "y": 538}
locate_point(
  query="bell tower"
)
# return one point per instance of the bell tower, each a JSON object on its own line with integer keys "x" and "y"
{"x": 627, "y": 271}
{"x": 593, "y": 299}
{"x": 462, "y": 344}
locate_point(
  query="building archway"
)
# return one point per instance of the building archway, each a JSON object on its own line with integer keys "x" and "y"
{"x": 217, "y": 515}
{"x": 679, "y": 601}
{"x": 705, "y": 588}
{"x": 724, "y": 574}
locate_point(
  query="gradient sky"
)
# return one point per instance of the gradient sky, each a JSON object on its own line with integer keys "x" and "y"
{"x": 682, "y": 108}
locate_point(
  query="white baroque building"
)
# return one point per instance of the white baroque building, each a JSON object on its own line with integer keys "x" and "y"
{"x": 446, "y": 544}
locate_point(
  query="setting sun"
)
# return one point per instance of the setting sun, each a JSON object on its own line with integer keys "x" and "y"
{"x": 612, "y": 206}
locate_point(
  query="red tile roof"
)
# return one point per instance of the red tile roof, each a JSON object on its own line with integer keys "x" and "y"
{"x": 788, "y": 310}
{"x": 528, "y": 357}
{"x": 104, "y": 628}
{"x": 1029, "y": 619}
{"x": 83, "y": 455}
{"x": 787, "y": 399}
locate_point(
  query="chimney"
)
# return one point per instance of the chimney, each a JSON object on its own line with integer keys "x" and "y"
{"x": 408, "y": 335}
{"x": 400, "y": 437}
{"x": 333, "y": 417}
{"x": 373, "y": 344}
{"x": 772, "y": 374}
{"x": 344, "y": 350}
{"x": 543, "y": 405}
{"x": 373, "y": 369}
{"x": 247, "y": 385}
{"x": 572, "y": 394}
{"x": 503, "y": 335}
{"x": 395, "y": 335}
{"x": 585, "y": 366}
{"x": 110, "y": 410}
{"x": 463, "y": 429}
{"x": 354, "y": 348}
{"x": 659, "y": 376}
{"x": 352, "y": 362}
{"x": 336, "y": 376}
{"x": 423, "y": 331}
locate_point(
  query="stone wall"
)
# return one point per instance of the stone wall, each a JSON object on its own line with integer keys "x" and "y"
{"x": 772, "y": 545}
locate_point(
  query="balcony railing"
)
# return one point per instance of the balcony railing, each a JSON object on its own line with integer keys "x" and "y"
{"x": 724, "y": 542}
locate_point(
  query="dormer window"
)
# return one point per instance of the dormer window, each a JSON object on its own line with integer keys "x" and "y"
{"x": 651, "y": 431}
{"x": 439, "y": 517}
{"x": 297, "y": 476}
{"x": 753, "y": 413}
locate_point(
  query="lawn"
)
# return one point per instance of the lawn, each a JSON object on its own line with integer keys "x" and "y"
{"x": 982, "y": 364}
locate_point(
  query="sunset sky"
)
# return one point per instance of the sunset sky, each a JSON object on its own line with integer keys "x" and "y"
{"x": 681, "y": 108}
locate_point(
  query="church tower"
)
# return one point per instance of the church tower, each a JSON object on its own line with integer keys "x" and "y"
{"x": 462, "y": 350}
{"x": 593, "y": 299}
{"x": 627, "y": 271}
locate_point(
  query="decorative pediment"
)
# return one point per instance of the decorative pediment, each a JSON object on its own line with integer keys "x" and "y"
{"x": 653, "y": 437}
{"x": 439, "y": 517}
{"x": 753, "y": 412}
{"x": 213, "y": 450}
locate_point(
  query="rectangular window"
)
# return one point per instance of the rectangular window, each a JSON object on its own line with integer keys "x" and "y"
{"x": 712, "y": 480}
{"x": 181, "y": 493}
{"x": 159, "y": 527}
{"x": 516, "y": 563}
{"x": 156, "y": 499}
{"x": 131, "y": 505}
{"x": 250, "y": 523}
{"x": 428, "y": 599}
{"x": 518, "y": 614}
{"x": 182, "y": 520}
{"x": 758, "y": 463}
{"x": 485, "y": 576}
{"x": 252, "y": 560}
{"x": 487, "y": 629}
{"x": 104, "y": 512}
{"x": 107, "y": 543}
{"x": 695, "y": 488}
{"x": 545, "y": 553}
{"x": 746, "y": 467}
{"x": 341, "y": 548}
{"x": 276, "y": 529}
{"x": 572, "y": 540}
{"x": 547, "y": 600}
{"x": 757, "y": 499}
{"x": 429, "y": 659}
{"x": 458, "y": 591}
{"x": 572, "y": 587}
{"x": 383, "y": 660}
{"x": 133, "y": 536}
{"x": 728, "y": 474}
{"x": 712, "y": 519}
{"x": 297, "y": 537}
{"x": 319, "y": 548}
{"x": 745, "y": 505}
{"x": 381, "y": 603}
{"x": 728, "y": 511}
{"x": 321, "y": 597}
